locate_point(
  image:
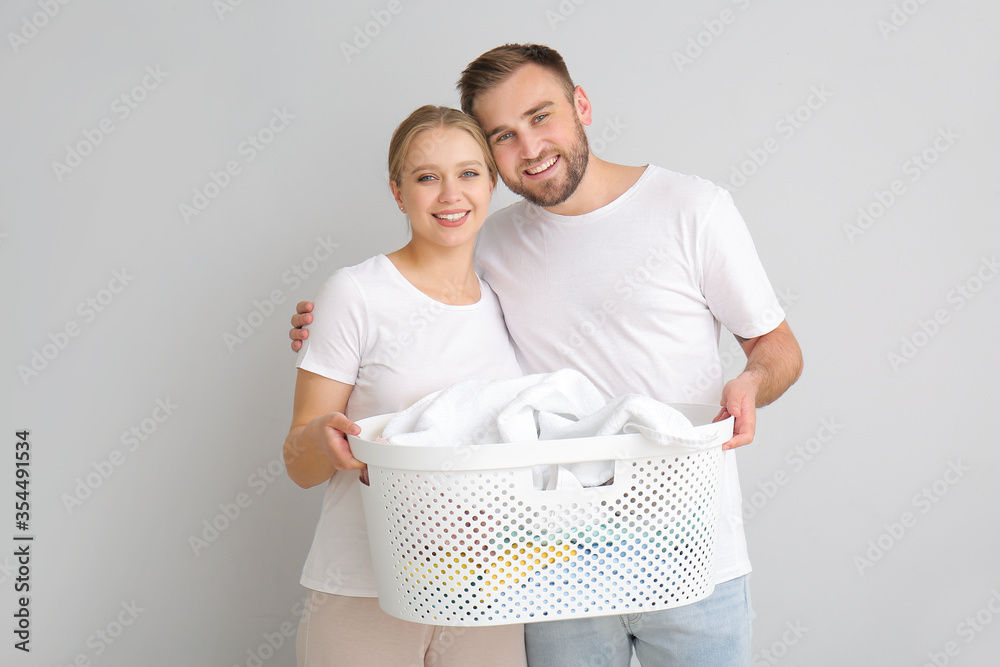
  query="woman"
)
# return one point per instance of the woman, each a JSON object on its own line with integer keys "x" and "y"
{"x": 386, "y": 333}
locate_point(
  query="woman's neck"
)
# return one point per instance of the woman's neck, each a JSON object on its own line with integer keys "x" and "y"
{"x": 444, "y": 274}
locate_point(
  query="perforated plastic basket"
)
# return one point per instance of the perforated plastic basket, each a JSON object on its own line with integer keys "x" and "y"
{"x": 461, "y": 536}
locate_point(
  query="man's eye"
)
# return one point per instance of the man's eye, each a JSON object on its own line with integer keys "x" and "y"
{"x": 540, "y": 117}
{"x": 504, "y": 137}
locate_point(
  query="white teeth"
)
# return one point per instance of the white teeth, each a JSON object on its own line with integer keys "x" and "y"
{"x": 543, "y": 166}
{"x": 450, "y": 217}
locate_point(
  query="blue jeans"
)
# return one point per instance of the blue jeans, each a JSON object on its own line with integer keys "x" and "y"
{"x": 714, "y": 632}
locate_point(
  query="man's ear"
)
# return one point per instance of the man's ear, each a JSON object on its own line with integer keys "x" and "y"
{"x": 581, "y": 103}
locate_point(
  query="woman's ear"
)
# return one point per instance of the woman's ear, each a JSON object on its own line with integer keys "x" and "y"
{"x": 397, "y": 194}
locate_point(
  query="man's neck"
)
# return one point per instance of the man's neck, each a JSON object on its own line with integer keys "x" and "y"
{"x": 602, "y": 183}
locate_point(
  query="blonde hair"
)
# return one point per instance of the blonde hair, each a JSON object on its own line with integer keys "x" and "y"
{"x": 430, "y": 117}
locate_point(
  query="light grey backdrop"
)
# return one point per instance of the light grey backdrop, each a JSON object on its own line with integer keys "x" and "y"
{"x": 174, "y": 176}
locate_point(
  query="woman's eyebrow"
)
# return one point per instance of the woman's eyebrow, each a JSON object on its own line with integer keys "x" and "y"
{"x": 431, "y": 167}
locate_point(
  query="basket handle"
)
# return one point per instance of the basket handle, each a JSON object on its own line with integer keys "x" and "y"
{"x": 523, "y": 454}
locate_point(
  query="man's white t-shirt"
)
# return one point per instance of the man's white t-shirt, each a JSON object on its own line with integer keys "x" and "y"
{"x": 632, "y": 295}
{"x": 375, "y": 330}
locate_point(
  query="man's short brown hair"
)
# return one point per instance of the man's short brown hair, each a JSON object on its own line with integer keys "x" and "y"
{"x": 494, "y": 66}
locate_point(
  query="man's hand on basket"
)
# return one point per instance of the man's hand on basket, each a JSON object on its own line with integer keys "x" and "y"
{"x": 739, "y": 401}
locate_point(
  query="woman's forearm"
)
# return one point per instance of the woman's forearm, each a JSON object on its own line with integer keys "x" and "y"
{"x": 315, "y": 447}
{"x": 305, "y": 462}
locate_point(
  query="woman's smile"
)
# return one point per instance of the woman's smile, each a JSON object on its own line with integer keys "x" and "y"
{"x": 452, "y": 218}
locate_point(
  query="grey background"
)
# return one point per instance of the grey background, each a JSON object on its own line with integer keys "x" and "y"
{"x": 876, "y": 432}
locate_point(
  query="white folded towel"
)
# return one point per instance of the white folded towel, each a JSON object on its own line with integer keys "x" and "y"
{"x": 482, "y": 412}
{"x": 631, "y": 413}
{"x": 544, "y": 406}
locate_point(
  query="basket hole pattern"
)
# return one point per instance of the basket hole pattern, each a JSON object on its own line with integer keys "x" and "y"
{"x": 485, "y": 548}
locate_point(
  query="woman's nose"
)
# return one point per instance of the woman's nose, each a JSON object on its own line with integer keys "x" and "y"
{"x": 449, "y": 191}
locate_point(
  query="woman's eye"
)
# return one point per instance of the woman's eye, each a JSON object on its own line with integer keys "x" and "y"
{"x": 425, "y": 177}
{"x": 470, "y": 173}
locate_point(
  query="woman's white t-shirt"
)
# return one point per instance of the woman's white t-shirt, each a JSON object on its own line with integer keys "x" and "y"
{"x": 373, "y": 329}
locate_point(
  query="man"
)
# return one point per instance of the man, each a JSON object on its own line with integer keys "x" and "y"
{"x": 624, "y": 273}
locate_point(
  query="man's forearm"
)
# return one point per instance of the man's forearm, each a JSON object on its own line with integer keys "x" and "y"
{"x": 774, "y": 363}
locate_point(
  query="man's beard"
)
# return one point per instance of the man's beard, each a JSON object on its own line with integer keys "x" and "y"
{"x": 555, "y": 192}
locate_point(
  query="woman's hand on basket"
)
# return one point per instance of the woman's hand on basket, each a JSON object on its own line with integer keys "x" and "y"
{"x": 328, "y": 432}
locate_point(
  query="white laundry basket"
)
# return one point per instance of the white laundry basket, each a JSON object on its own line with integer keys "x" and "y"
{"x": 461, "y": 536}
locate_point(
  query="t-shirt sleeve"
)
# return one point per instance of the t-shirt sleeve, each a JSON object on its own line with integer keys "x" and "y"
{"x": 337, "y": 334}
{"x": 734, "y": 283}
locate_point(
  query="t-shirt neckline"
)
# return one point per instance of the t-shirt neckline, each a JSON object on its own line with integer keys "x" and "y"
{"x": 607, "y": 209}
{"x": 401, "y": 279}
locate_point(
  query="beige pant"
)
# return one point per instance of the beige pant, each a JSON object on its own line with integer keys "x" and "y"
{"x": 343, "y": 631}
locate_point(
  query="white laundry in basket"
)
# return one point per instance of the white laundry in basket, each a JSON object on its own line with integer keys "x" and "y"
{"x": 544, "y": 406}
